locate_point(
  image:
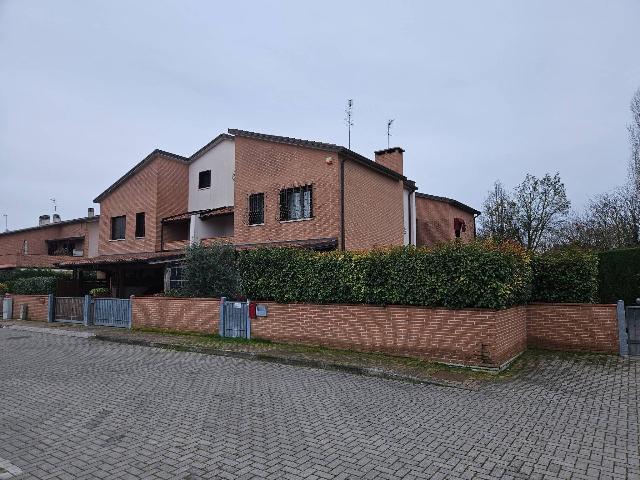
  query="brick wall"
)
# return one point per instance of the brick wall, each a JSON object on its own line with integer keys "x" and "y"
{"x": 467, "y": 337}
{"x": 373, "y": 208}
{"x": 434, "y": 222}
{"x": 267, "y": 167}
{"x": 159, "y": 189}
{"x": 577, "y": 327}
{"x": 11, "y": 244}
{"x": 38, "y": 306}
{"x": 188, "y": 314}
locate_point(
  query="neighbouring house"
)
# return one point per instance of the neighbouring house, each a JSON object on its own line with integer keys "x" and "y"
{"x": 51, "y": 241}
{"x": 251, "y": 189}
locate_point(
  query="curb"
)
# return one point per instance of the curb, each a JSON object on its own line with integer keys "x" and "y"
{"x": 50, "y": 331}
{"x": 296, "y": 362}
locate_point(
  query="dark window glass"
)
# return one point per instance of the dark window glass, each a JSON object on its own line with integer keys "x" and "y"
{"x": 140, "y": 224}
{"x": 118, "y": 225}
{"x": 296, "y": 203}
{"x": 256, "y": 208}
{"x": 204, "y": 179}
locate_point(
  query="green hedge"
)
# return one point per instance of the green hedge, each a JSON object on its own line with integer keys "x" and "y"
{"x": 620, "y": 275}
{"x": 565, "y": 276}
{"x": 11, "y": 275}
{"x": 33, "y": 285}
{"x": 455, "y": 275}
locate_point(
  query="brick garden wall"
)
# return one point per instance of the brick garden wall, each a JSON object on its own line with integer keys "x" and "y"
{"x": 573, "y": 327}
{"x": 38, "y": 306}
{"x": 469, "y": 337}
{"x": 189, "y": 314}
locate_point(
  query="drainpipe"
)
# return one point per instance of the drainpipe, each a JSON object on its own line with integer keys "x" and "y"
{"x": 342, "y": 246}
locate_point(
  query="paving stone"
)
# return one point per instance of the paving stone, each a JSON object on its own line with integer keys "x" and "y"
{"x": 81, "y": 408}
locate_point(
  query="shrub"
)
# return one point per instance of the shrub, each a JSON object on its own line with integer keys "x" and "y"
{"x": 456, "y": 275}
{"x": 33, "y": 285}
{"x": 10, "y": 275}
{"x": 210, "y": 271}
{"x": 619, "y": 275}
{"x": 100, "y": 292}
{"x": 565, "y": 276}
{"x": 4, "y": 288}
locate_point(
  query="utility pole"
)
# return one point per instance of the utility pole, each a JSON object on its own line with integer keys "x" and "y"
{"x": 389, "y": 133}
{"x": 349, "y": 112}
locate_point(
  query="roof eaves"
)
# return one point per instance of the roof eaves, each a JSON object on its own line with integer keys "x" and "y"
{"x": 210, "y": 145}
{"x": 137, "y": 167}
{"x": 450, "y": 201}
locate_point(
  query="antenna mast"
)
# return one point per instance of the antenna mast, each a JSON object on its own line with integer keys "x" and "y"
{"x": 389, "y": 122}
{"x": 6, "y": 224}
{"x": 349, "y": 111}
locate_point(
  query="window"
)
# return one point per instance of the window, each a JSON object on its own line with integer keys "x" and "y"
{"x": 176, "y": 277}
{"x": 256, "y": 209}
{"x": 296, "y": 203}
{"x": 140, "y": 225}
{"x": 204, "y": 179}
{"x": 459, "y": 226}
{"x": 25, "y": 247}
{"x": 118, "y": 225}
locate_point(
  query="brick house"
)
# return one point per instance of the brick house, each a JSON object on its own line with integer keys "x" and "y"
{"x": 253, "y": 189}
{"x": 48, "y": 243}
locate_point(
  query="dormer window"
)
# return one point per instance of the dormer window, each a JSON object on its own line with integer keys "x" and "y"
{"x": 204, "y": 179}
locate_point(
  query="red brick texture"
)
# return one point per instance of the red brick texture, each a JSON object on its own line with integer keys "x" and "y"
{"x": 38, "y": 306}
{"x": 373, "y": 208}
{"x": 391, "y": 158}
{"x": 468, "y": 337}
{"x": 434, "y": 222}
{"x": 159, "y": 189}
{"x": 187, "y": 314}
{"x": 573, "y": 327}
{"x": 267, "y": 167}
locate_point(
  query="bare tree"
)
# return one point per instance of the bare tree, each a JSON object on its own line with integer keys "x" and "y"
{"x": 498, "y": 216}
{"x": 532, "y": 215}
{"x": 542, "y": 208}
{"x": 634, "y": 139}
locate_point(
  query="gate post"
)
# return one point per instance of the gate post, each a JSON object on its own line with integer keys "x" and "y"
{"x": 623, "y": 336}
{"x": 51, "y": 308}
{"x": 248, "y": 318}
{"x": 131, "y": 311}
{"x": 86, "y": 310}
{"x": 221, "y": 322}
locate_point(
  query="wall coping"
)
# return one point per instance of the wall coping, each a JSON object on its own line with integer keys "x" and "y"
{"x": 542, "y": 304}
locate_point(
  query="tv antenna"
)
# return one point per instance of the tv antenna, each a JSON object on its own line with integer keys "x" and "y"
{"x": 6, "y": 224}
{"x": 55, "y": 206}
{"x": 389, "y": 122}
{"x": 349, "y": 112}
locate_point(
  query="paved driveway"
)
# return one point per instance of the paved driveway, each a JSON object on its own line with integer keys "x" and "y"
{"x": 79, "y": 408}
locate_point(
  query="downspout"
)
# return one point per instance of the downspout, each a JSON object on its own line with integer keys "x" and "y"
{"x": 410, "y": 218}
{"x": 342, "y": 247}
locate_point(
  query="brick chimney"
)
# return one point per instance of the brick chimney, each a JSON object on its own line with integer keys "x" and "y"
{"x": 391, "y": 158}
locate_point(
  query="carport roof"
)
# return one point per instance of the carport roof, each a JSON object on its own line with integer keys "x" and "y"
{"x": 126, "y": 258}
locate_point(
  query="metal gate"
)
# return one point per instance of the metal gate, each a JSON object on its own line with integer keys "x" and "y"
{"x": 234, "y": 319}
{"x": 633, "y": 329}
{"x": 69, "y": 309}
{"x": 111, "y": 312}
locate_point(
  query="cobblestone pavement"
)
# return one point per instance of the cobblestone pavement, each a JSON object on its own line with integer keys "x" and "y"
{"x": 80, "y": 408}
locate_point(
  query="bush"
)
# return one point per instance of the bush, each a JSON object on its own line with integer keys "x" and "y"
{"x": 565, "y": 276}
{"x": 10, "y": 275}
{"x": 4, "y": 288}
{"x": 211, "y": 271}
{"x": 455, "y": 275}
{"x": 619, "y": 275}
{"x": 33, "y": 285}
{"x": 100, "y": 292}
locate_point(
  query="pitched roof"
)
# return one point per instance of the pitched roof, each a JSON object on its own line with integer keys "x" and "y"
{"x": 137, "y": 168}
{"x": 52, "y": 224}
{"x": 210, "y": 145}
{"x": 450, "y": 201}
{"x": 145, "y": 257}
{"x": 328, "y": 147}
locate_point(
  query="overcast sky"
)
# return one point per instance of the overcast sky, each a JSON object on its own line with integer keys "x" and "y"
{"x": 479, "y": 90}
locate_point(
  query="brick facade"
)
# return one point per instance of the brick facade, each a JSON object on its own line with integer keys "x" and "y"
{"x": 12, "y": 243}
{"x": 38, "y": 306}
{"x": 159, "y": 189}
{"x": 579, "y": 327}
{"x": 435, "y": 222}
{"x": 373, "y": 208}
{"x": 267, "y": 167}
{"x": 200, "y": 315}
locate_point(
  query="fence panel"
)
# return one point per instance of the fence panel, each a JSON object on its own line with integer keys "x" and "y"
{"x": 111, "y": 312}
{"x": 69, "y": 310}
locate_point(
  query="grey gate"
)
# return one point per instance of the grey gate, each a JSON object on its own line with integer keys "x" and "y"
{"x": 111, "y": 312}
{"x": 69, "y": 309}
{"x": 234, "y": 319}
{"x": 633, "y": 329}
